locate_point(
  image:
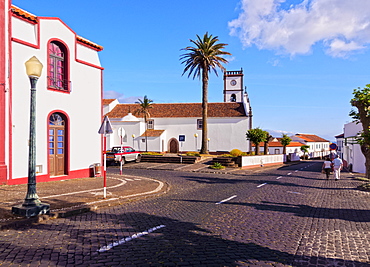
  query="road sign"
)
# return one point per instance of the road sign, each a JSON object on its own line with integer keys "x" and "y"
{"x": 106, "y": 126}
{"x": 121, "y": 132}
{"x": 182, "y": 138}
{"x": 333, "y": 146}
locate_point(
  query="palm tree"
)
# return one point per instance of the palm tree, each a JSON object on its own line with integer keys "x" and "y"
{"x": 144, "y": 106}
{"x": 304, "y": 149}
{"x": 269, "y": 138}
{"x": 205, "y": 56}
{"x": 285, "y": 141}
{"x": 256, "y": 136}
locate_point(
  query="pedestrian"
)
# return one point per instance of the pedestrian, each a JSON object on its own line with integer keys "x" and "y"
{"x": 326, "y": 167}
{"x": 337, "y": 164}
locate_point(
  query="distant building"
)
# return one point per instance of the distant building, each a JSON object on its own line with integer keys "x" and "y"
{"x": 178, "y": 126}
{"x": 340, "y": 144}
{"x": 67, "y": 142}
{"x": 318, "y": 147}
{"x": 275, "y": 147}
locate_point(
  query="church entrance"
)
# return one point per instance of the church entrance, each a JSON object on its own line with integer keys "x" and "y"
{"x": 174, "y": 146}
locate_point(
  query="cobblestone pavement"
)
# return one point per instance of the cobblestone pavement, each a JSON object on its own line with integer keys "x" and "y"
{"x": 282, "y": 217}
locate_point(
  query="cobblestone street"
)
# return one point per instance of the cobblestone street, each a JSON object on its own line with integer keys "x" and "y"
{"x": 288, "y": 216}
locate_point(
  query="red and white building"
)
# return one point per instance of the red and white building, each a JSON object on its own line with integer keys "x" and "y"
{"x": 69, "y": 98}
{"x": 317, "y": 146}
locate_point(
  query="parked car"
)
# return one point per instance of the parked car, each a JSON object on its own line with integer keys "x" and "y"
{"x": 124, "y": 153}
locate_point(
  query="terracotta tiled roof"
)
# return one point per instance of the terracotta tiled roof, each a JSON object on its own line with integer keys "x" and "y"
{"x": 24, "y": 14}
{"x": 182, "y": 110}
{"x": 311, "y": 138}
{"x": 152, "y": 133}
{"x": 33, "y": 18}
{"x": 87, "y": 42}
{"x": 107, "y": 101}
{"x": 278, "y": 144}
{"x": 339, "y": 136}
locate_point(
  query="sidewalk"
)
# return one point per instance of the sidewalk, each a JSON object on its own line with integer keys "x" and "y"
{"x": 69, "y": 197}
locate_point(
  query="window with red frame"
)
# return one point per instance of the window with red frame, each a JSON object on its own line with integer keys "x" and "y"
{"x": 57, "y": 67}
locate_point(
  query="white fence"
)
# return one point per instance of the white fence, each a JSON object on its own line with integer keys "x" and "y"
{"x": 262, "y": 160}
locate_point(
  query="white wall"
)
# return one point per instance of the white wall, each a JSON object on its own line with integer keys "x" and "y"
{"x": 262, "y": 160}
{"x": 351, "y": 150}
{"x": 82, "y": 105}
{"x": 225, "y": 134}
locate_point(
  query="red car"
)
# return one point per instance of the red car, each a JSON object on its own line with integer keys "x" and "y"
{"x": 124, "y": 153}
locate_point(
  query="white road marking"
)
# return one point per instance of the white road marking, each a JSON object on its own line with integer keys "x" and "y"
{"x": 279, "y": 177}
{"x": 289, "y": 173}
{"x": 91, "y": 190}
{"x": 296, "y": 170}
{"x": 124, "y": 240}
{"x": 222, "y": 201}
{"x": 262, "y": 185}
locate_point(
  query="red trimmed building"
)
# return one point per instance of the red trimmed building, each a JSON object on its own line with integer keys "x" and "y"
{"x": 67, "y": 142}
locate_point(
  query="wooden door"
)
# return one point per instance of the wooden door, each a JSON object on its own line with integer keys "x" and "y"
{"x": 174, "y": 146}
{"x": 56, "y": 145}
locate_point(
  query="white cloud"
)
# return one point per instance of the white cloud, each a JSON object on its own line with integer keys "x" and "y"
{"x": 342, "y": 26}
{"x": 121, "y": 97}
{"x": 278, "y": 133}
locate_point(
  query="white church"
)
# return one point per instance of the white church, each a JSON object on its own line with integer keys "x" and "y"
{"x": 68, "y": 98}
{"x": 177, "y": 127}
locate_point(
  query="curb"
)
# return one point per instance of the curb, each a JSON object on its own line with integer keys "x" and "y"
{"x": 68, "y": 212}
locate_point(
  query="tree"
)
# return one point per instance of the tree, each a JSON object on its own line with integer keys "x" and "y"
{"x": 205, "y": 56}
{"x": 144, "y": 106}
{"x": 256, "y": 136}
{"x": 361, "y": 100}
{"x": 269, "y": 138}
{"x": 285, "y": 141}
{"x": 304, "y": 149}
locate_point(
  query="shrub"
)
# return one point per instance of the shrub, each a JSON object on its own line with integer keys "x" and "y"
{"x": 217, "y": 165}
{"x": 193, "y": 154}
{"x": 152, "y": 153}
{"x": 236, "y": 152}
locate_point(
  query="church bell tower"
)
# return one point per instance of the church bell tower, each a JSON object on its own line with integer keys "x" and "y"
{"x": 233, "y": 86}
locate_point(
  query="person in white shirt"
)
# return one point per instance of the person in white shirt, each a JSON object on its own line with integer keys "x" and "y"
{"x": 326, "y": 167}
{"x": 338, "y": 164}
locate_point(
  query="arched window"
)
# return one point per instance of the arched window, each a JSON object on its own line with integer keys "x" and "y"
{"x": 233, "y": 98}
{"x": 58, "y": 68}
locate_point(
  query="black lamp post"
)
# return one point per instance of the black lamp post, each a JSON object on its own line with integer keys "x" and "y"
{"x": 32, "y": 206}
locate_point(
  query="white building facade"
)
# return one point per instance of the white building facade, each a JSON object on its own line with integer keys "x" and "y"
{"x": 351, "y": 150}
{"x": 177, "y": 127}
{"x": 67, "y": 142}
{"x": 318, "y": 147}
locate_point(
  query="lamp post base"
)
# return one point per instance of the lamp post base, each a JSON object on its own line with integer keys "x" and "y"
{"x": 31, "y": 211}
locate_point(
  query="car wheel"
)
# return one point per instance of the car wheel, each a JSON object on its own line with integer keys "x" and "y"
{"x": 138, "y": 159}
{"x": 123, "y": 161}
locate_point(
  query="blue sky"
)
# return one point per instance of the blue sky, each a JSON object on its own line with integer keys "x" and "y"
{"x": 301, "y": 59}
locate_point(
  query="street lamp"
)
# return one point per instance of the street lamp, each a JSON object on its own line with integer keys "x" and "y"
{"x": 32, "y": 205}
{"x": 196, "y": 143}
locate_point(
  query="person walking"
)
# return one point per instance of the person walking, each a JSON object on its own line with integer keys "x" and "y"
{"x": 326, "y": 167}
{"x": 338, "y": 165}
